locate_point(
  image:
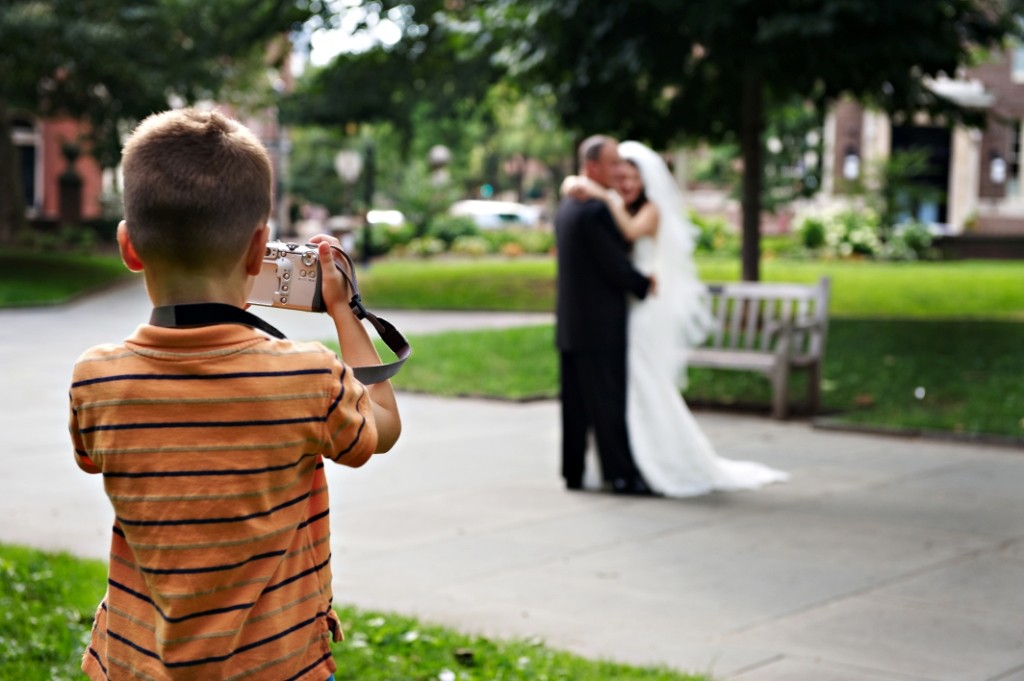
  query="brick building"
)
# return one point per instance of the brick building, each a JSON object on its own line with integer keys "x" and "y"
{"x": 40, "y": 161}
{"x": 977, "y": 173}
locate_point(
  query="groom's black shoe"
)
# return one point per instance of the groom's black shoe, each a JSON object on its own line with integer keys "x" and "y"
{"x": 574, "y": 484}
{"x": 633, "y": 487}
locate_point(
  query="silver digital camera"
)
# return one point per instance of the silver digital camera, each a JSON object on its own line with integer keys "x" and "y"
{"x": 290, "y": 278}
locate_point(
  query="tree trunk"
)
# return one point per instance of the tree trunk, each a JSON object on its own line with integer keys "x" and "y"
{"x": 753, "y": 162}
{"x": 12, "y": 198}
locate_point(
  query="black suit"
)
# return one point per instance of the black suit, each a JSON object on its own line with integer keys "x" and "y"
{"x": 594, "y": 278}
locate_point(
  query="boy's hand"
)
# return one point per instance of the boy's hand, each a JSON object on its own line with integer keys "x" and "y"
{"x": 334, "y": 287}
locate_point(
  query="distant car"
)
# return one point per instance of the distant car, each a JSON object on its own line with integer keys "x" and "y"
{"x": 497, "y": 214}
{"x": 394, "y": 218}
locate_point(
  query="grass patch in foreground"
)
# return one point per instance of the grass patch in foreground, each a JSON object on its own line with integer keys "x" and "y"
{"x": 40, "y": 278}
{"x": 47, "y": 602}
{"x": 382, "y": 646}
{"x": 970, "y": 373}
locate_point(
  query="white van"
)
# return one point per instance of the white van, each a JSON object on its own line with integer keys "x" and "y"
{"x": 497, "y": 214}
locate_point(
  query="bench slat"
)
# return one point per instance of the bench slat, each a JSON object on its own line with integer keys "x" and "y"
{"x": 753, "y": 317}
{"x": 735, "y": 314}
{"x": 719, "y": 306}
{"x": 749, "y": 289}
{"x": 739, "y": 359}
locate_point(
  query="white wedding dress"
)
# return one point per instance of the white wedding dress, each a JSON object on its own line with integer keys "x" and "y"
{"x": 669, "y": 447}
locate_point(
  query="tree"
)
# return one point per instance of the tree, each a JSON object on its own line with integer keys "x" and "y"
{"x": 664, "y": 70}
{"x": 431, "y": 72}
{"x": 112, "y": 62}
{"x": 429, "y": 88}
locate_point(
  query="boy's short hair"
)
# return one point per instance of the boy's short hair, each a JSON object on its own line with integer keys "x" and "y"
{"x": 196, "y": 186}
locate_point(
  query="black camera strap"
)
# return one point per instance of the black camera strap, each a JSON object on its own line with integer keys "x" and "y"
{"x": 208, "y": 314}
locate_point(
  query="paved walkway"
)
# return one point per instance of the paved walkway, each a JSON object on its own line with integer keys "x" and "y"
{"x": 882, "y": 559}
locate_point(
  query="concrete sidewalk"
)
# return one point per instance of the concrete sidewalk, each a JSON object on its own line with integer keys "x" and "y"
{"x": 882, "y": 559}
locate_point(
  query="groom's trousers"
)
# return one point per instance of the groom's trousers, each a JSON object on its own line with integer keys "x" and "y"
{"x": 593, "y": 391}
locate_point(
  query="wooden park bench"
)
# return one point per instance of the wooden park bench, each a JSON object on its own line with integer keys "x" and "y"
{"x": 771, "y": 329}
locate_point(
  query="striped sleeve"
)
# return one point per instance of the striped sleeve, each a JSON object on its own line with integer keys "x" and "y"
{"x": 350, "y": 436}
{"x": 81, "y": 455}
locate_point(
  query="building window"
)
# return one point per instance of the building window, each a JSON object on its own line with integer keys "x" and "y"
{"x": 1013, "y": 161}
{"x": 1017, "y": 56}
{"x": 27, "y": 143}
{"x": 1018, "y": 64}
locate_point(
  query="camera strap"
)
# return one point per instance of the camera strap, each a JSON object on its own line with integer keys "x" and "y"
{"x": 208, "y": 314}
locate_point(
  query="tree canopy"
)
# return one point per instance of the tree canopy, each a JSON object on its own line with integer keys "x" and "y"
{"x": 112, "y": 62}
{"x": 664, "y": 70}
{"x": 432, "y": 67}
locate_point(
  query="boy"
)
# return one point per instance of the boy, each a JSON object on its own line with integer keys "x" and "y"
{"x": 211, "y": 438}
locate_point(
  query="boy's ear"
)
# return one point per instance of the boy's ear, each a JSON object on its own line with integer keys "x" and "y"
{"x": 257, "y": 248}
{"x": 128, "y": 254}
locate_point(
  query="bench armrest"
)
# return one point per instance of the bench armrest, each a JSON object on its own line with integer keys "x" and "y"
{"x": 786, "y": 329}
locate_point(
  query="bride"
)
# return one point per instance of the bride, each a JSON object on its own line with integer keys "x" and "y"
{"x": 671, "y": 451}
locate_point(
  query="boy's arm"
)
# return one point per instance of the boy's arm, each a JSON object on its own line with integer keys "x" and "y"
{"x": 356, "y": 347}
{"x": 81, "y": 456}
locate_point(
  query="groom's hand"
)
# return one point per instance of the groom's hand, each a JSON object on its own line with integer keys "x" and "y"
{"x": 652, "y": 286}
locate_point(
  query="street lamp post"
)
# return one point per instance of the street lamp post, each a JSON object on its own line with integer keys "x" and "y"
{"x": 438, "y": 158}
{"x": 348, "y": 164}
{"x": 368, "y": 188}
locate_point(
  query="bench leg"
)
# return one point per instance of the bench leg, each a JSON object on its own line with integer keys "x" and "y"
{"x": 814, "y": 387}
{"x": 780, "y": 392}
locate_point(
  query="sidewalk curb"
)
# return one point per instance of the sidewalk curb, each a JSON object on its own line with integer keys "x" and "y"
{"x": 838, "y": 425}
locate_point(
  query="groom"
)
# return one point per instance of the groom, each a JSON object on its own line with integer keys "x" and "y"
{"x": 594, "y": 276}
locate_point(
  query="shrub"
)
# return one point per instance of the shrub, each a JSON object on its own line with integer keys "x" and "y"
{"x": 782, "y": 246}
{"x": 387, "y": 237}
{"x": 812, "y": 232}
{"x": 448, "y": 228}
{"x": 497, "y": 238}
{"x": 65, "y": 238}
{"x": 841, "y": 232}
{"x": 534, "y": 240}
{"x": 910, "y": 241}
{"x": 518, "y": 240}
{"x": 714, "y": 235}
{"x": 425, "y": 246}
{"x": 856, "y": 232}
{"x": 475, "y": 246}
{"x": 512, "y": 249}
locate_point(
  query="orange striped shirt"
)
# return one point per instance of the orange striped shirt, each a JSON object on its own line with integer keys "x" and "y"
{"x": 211, "y": 443}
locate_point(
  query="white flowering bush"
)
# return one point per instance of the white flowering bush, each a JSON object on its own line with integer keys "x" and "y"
{"x": 840, "y": 232}
{"x": 910, "y": 241}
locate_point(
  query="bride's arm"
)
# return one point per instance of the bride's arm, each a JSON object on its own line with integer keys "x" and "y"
{"x": 644, "y": 223}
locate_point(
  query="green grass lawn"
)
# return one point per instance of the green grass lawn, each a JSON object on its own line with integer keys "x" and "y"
{"x": 912, "y": 290}
{"x": 47, "y": 601}
{"x": 42, "y": 278}
{"x": 460, "y": 284}
{"x": 970, "y": 372}
{"x": 916, "y": 290}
